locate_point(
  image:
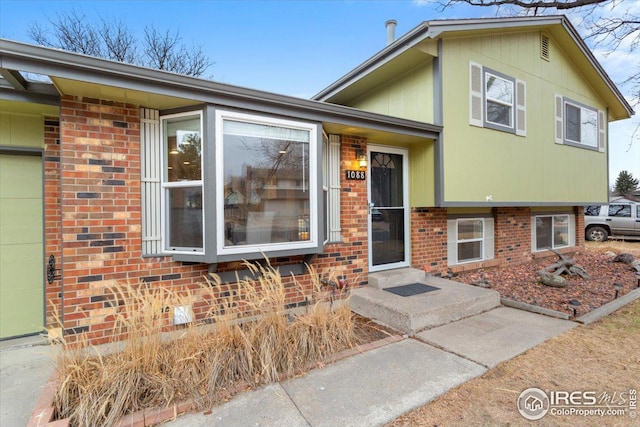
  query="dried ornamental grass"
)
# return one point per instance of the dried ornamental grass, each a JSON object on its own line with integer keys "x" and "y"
{"x": 253, "y": 340}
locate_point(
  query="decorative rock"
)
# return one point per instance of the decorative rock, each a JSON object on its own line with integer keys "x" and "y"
{"x": 610, "y": 254}
{"x": 552, "y": 280}
{"x": 625, "y": 258}
{"x": 636, "y": 265}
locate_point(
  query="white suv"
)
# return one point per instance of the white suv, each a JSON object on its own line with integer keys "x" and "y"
{"x": 615, "y": 219}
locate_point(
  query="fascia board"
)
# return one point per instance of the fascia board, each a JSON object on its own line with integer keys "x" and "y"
{"x": 387, "y": 54}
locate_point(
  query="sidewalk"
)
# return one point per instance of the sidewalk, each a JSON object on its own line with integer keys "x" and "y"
{"x": 376, "y": 387}
{"x": 369, "y": 389}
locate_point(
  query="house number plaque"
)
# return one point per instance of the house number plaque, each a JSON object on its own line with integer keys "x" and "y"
{"x": 356, "y": 175}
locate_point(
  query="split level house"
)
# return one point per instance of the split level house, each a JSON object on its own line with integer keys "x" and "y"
{"x": 462, "y": 144}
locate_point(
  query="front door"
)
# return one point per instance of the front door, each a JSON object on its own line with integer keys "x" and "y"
{"x": 388, "y": 208}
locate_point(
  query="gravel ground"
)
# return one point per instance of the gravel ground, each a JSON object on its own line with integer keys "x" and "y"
{"x": 521, "y": 283}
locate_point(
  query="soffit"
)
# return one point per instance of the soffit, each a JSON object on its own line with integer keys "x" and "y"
{"x": 28, "y": 108}
{"x": 382, "y": 74}
{"x": 374, "y": 135}
{"x": 129, "y": 96}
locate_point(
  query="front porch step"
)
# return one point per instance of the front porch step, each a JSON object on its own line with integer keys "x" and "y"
{"x": 451, "y": 302}
{"x": 397, "y": 277}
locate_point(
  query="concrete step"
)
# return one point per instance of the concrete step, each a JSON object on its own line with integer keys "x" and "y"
{"x": 451, "y": 302}
{"x": 397, "y": 277}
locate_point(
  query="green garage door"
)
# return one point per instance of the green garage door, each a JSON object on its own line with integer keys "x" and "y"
{"x": 21, "y": 255}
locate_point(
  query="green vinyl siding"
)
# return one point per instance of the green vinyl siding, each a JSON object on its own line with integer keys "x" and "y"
{"x": 481, "y": 162}
{"x": 421, "y": 175}
{"x": 21, "y": 130}
{"x": 21, "y": 246}
{"x": 409, "y": 95}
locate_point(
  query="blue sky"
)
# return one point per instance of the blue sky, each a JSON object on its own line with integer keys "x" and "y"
{"x": 293, "y": 47}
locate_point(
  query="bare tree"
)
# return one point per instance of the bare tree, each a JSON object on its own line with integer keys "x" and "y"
{"x": 112, "y": 39}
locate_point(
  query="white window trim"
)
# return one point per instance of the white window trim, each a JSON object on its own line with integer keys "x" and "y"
{"x": 511, "y": 105}
{"x": 164, "y": 200}
{"x": 571, "y": 234}
{"x": 481, "y": 239}
{"x": 222, "y": 115}
{"x": 488, "y": 236}
{"x": 561, "y": 125}
{"x": 581, "y": 108}
{"x": 478, "y": 101}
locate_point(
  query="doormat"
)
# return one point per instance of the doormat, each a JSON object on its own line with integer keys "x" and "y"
{"x": 411, "y": 289}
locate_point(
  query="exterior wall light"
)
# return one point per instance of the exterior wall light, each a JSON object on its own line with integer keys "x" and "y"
{"x": 361, "y": 158}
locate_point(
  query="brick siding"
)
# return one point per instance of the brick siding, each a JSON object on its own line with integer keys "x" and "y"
{"x": 512, "y": 234}
{"x": 98, "y": 198}
{"x": 93, "y": 222}
{"x": 429, "y": 239}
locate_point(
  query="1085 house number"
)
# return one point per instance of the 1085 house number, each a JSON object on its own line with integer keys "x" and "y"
{"x": 356, "y": 175}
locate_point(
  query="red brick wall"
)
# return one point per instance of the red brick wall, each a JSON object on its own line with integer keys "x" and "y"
{"x": 579, "y": 213}
{"x": 429, "y": 239}
{"x": 512, "y": 234}
{"x": 99, "y": 203}
{"x": 349, "y": 258}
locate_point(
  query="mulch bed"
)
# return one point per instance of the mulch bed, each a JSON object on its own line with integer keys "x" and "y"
{"x": 521, "y": 282}
{"x": 367, "y": 331}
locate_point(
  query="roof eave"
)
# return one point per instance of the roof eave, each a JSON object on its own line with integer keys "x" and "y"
{"x": 42, "y": 60}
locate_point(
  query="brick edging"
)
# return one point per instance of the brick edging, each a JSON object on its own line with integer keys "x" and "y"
{"x": 42, "y": 413}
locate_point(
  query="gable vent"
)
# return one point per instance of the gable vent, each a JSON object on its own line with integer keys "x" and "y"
{"x": 544, "y": 46}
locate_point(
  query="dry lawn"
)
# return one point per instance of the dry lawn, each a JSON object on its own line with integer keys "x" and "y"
{"x": 601, "y": 357}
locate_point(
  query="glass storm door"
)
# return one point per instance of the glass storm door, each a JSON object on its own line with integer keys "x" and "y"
{"x": 388, "y": 208}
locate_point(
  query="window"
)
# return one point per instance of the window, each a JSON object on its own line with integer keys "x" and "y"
{"x": 623, "y": 211}
{"x": 592, "y": 210}
{"x": 553, "y": 231}
{"x": 182, "y": 183}
{"x": 497, "y": 101}
{"x": 469, "y": 240}
{"x": 470, "y": 236}
{"x": 267, "y": 183}
{"x": 579, "y": 125}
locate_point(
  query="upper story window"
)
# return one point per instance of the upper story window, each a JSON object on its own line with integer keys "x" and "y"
{"x": 497, "y": 101}
{"x": 182, "y": 182}
{"x": 579, "y": 125}
{"x": 267, "y": 183}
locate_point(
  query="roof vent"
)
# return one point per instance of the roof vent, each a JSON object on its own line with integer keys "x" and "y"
{"x": 544, "y": 46}
{"x": 391, "y": 30}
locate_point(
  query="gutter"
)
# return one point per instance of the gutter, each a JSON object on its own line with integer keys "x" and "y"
{"x": 47, "y": 61}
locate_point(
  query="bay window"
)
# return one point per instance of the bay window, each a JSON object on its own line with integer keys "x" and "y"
{"x": 267, "y": 184}
{"x": 182, "y": 183}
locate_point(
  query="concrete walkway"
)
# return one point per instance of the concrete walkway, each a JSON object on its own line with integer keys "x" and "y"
{"x": 369, "y": 389}
{"x": 25, "y": 366}
{"x": 376, "y": 387}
